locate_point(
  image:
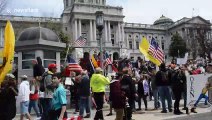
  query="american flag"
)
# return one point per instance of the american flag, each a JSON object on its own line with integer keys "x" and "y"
{"x": 156, "y": 51}
{"x": 73, "y": 65}
{"x": 107, "y": 59}
{"x": 80, "y": 42}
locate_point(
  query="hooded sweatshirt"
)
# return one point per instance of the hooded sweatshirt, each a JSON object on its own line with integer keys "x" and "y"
{"x": 98, "y": 83}
{"x": 24, "y": 91}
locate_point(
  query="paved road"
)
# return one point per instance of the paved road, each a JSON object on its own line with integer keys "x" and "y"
{"x": 202, "y": 116}
{"x": 153, "y": 115}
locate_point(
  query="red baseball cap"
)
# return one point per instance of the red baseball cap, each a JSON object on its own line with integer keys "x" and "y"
{"x": 52, "y": 65}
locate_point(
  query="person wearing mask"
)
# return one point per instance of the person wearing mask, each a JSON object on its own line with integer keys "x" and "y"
{"x": 178, "y": 81}
{"x": 84, "y": 93}
{"x": 163, "y": 79}
{"x": 48, "y": 90}
{"x": 24, "y": 92}
{"x": 128, "y": 87}
{"x": 98, "y": 84}
{"x": 117, "y": 96}
{"x": 8, "y": 93}
{"x": 59, "y": 102}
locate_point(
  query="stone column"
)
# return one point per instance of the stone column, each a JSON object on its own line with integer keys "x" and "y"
{"x": 91, "y": 31}
{"x": 75, "y": 29}
{"x": 127, "y": 44}
{"x": 109, "y": 33}
{"x": 58, "y": 60}
{"x": 122, "y": 27}
{"x": 105, "y": 27}
{"x": 119, "y": 32}
{"x": 80, "y": 28}
{"x": 134, "y": 41}
{"x": 94, "y": 30}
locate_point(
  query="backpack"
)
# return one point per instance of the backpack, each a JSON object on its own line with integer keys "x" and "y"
{"x": 42, "y": 85}
{"x": 164, "y": 76}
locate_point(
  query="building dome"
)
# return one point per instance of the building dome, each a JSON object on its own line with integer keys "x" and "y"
{"x": 163, "y": 21}
{"x": 37, "y": 33}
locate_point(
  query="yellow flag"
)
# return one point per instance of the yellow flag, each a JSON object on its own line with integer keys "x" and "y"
{"x": 94, "y": 62}
{"x": 8, "y": 52}
{"x": 144, "y": 49}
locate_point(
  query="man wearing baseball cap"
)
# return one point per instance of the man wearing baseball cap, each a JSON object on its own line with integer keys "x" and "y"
{"x": 24, "y": 92}
{"x": 48, "y": 90}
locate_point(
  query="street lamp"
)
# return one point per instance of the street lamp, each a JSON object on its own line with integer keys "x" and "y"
{"x": 100, "y": 26}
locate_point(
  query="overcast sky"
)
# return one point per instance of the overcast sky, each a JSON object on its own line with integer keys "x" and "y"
{"x": 137, "y": 11}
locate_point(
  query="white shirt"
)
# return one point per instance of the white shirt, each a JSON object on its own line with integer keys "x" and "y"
{"x": 24, "y": 91}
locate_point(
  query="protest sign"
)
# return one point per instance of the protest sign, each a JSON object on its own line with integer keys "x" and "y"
{"x": 195, "y": 84}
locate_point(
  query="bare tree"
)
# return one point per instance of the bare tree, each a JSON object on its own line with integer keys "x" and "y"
{"x": 205, "y": 42}
{"x": 202, "y": 41}
{"x": 3, "y": 4}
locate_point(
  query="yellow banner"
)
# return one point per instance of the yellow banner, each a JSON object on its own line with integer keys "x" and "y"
{"x": 144, "y": 49}
{"x": 8, "y": 52}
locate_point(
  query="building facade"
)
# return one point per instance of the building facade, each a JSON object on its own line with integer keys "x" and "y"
{"x": 120, "y": 39}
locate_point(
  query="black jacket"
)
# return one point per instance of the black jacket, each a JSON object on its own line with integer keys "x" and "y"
{"x": 128, "y": 86}
{"x": 178, "y": 80}
{"x": 84, "y": 86}
{"x": 140, "y": 90}
{"x": 159, "y": 78}
{"x": 38, "y": 68}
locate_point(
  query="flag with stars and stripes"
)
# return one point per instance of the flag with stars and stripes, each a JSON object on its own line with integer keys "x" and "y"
{"x": 80, "y": 42}
{"x": 156, "y": 51}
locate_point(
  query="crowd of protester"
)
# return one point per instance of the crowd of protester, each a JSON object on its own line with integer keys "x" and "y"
{"x": 134, "y": 82}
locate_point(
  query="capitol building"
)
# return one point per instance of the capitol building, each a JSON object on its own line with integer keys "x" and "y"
{"x": 119, "y": 38}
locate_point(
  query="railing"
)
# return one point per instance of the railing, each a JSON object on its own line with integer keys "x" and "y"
{"x": 138, "y": 25}
{"x": 27, "y": 18}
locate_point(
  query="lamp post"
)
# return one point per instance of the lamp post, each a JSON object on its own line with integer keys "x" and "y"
{"x": 100, "y": 26}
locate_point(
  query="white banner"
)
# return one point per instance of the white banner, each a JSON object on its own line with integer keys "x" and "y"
{"x": 195, "y": 84}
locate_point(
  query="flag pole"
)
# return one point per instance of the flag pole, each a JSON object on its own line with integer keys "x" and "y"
{"x": 67, "y": 53}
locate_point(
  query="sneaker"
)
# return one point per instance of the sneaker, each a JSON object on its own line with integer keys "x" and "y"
{"x": 184, "y": 108}
{"x": 133, "y": 110}
{"x": 138, "y": 109}
{"x": 176, "y": 112}
{"x": 170, "y": 110}
{"x": 109, "y": 114}
{"x": 193, "y": 110}
{"x": 38, "y": 118}
{"x": 87, "y": 116}
{"x": 164, "y": 111}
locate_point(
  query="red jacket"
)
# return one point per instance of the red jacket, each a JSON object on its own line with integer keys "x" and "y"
{"x": 34, "y": 96}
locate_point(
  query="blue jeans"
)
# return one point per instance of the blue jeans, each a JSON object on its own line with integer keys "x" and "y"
{"x": 47, "y": 105}
{"x": 84, "y": 104}
{"x": 165, "y": 93}
{"x": 200, "y": 97}
{"x": 34, "y": 104}
{"x": 156, "y": 98}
